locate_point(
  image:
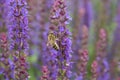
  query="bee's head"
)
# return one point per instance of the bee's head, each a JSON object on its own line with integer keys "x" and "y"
{"x": 50, "y": 32}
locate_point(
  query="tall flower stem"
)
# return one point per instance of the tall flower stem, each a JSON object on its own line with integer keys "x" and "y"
{"x": 45, "y": 73}
{"x": 18, "y": 31}
{"x": 59, "y": 19}
{"x": 83, "y": 53}
{"x": 88, "y": 15}
{"x": 5, "y": 62}
{"x": 101, "y": 55}
{"x": 94, "y": 70}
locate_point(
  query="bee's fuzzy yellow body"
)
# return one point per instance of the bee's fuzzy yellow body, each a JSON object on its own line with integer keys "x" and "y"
{"x": 52, "y": 41}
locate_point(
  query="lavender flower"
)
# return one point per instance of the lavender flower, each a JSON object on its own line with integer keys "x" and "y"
{"x": 62, "y": 60}
{"x": 45, "y": 73}
{"x": 94, "y": 70}
{"x": 116, "y": 38}
{"x": 116, "y": 42}
{"x": 2, "y": 14}
{"x": 52, "y": 54}
{"x": 43, "y": 29}
{"x": 88, "y": 13}
{"x": 64, "y": 54}
{"x": 21, "y": 66}
{"x": 18, "y": 25}
{"x": 82, "y": 66}
{"x": 102, "y": 44}
{"x": 77, "y": 33}
{"x": 7, "y": 67}
{"x": 49, "y": 3}
{"x": 84, "y": 37}
{"x": 39, "y": 25}
{"x": 83, "y": 54}
{"x": 18, "y": 31}
{"x": 101, "y": 56}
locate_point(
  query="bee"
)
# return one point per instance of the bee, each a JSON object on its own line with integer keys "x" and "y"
{"x": 52, "y": 41}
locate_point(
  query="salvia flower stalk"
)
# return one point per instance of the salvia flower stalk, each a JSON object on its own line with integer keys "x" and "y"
{"x": 34, "y": 26}
{"x": 64, "y": 42}
{"x": 43, "y": 20}
{"x": 101, "y": 55}
{"x": 83, "y": 53}
{"x": 3, "y": 13}
{"x": 18, "y": 25}
{"x": 94, "y": 70}
{"x": 116, "y": 37}
{"x": 77, "y": 32}
{"x": 45, "y": 73}
{"x": 18, "y": 34}
{"x": 52, "y": 53}
{"x": 21, "y": 66}
{"x": 6, "y": 64}
{"x": 87, "y": 18}
{"x": 59, "y": 20}
{"x": 116, "y": 43}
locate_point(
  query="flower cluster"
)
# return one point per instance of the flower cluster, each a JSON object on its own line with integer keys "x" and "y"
{"x": 43, "y": 30}
{"x": 83, "y": 53}
{"x": 21, "y": 66}
{"x": 59, "y": 19}
{"x": 88, "y": 15}
{"x": 52, "y": 60}
{"x": 101, "y": 55}
{"x": 45, "y": 73}
{"x": 102, "y": 44}
{"x": 94, "y": 70}
{"x": 2, "y": 14}
{"x": 83, "y": 62}
{"x": 6, "y": 64}
{"x": 18, "y": 25}
{"x": 64, "y": 54}
{"x": 18, "y": 31}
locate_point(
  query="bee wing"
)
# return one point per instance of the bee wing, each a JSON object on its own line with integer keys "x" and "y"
{"x": 56, "y": 45}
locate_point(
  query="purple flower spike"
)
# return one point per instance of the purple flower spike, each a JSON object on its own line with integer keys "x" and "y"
{"x": 86, "y": 12}
{"x": 59, "y": 18}
{"x": 6, "y": 66}
{"x": 18, "y": 34}
{"x": 2, "y": 14}
{"x": 45, "y": 73}
{"x": 83, "y": 54}
{"x": 104, "y": 68}
{"x": 18, "y": 25}
{"x": 94, "y": 70}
